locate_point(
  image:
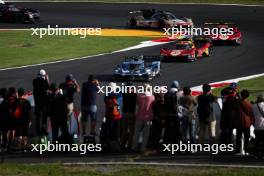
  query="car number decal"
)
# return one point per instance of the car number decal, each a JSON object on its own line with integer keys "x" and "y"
{"x": 175, "y": 53}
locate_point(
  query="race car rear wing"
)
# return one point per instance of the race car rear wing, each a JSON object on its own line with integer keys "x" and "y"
{"x": 145, "y": 58}
{"x": 146, "y": 13}
{"x": 220, "y": 23}
{"x": 217, "y": 23}
{"x": 134, "y": 12}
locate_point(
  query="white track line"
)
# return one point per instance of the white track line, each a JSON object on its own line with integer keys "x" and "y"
{"x": 142, "y": 45}
{"x": 163, "y": 164}
{"x": 54, "y": 62}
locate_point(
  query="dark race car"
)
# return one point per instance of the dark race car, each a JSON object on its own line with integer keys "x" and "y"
{"x": 188, "y": 50}
{"x": 135, "y": 68}
{"x": 11, "y": 13}
{"x": 232, "y": 36}
{"x": 151, "y": 18}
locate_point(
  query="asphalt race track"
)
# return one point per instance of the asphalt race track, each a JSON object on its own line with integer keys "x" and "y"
{"x": 226, "y": 62}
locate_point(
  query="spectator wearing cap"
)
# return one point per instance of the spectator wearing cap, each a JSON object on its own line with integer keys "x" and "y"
{"x": 188, "y": 102}
{"x": 69, "y": 88}
{"x": 230, "y": 91}
{"x": 128, "y": 120}
{"x": 176, "y": 86}
{"x": 207, "y": 120}
{"x": 88, "y": 104}
{"x": 40, "y": 92}
{"x": 144, "y": 116}
{"x": 243, "y": 121}
{"x": 258, "y": 111}
{"x": 172, "y": 131}
{"x": 24, "y": 118}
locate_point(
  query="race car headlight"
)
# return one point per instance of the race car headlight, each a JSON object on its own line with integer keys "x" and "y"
{"x": 148, "y": 71}
{"x": 116, "y": 70}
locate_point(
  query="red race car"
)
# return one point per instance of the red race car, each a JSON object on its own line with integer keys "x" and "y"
{"x": 188, "y": 50}
{"x": 224, "y": 33}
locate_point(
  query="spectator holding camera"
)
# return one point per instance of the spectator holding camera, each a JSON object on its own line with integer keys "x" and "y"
{"x": 69, "y": 88}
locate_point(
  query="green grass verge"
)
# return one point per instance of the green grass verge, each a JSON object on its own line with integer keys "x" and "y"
{"x": 21, "y": 48}
{"x": 255, "y": 86}
{"x": 60, "y": 170}
{"x": 258, "y": 2}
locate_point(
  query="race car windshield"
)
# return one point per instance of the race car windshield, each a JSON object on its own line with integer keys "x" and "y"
{"x": 200, "y": 43}
{"x": 166, "y": 16}
{"x": 182, "y": 47}
{"x": 170, "y": 16}
{"x": 13, "y": 8}
{"x": 134, "y": 67}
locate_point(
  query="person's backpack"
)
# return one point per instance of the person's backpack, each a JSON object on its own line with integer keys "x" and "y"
{"x": 18, "y": 111}
{"x": 19, "y": 108}
{"x": 12, "y": 106}
{"x": 205, "y": 108}
{"x": 113, "y": 107}
{"x": 171, "y": 103}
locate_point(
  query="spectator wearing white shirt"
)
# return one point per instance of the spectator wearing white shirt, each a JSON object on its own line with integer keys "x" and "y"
{"x": 258, "y": 110}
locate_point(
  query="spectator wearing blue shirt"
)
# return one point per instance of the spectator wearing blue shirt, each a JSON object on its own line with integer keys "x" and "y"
{"x": 88, "y": 103}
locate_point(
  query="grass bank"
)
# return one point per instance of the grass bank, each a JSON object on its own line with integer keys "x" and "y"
{"x": 60, "y": 170}
{"x": 21, "y": 48}
{"x": 255, "y": 86}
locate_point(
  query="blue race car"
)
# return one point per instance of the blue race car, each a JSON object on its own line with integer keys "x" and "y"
{"x": 138, "y": 68}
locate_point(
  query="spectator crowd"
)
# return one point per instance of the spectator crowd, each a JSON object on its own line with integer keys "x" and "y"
{"x": 132, "y": 121}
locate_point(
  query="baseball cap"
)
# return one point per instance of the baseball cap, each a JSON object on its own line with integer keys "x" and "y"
{"x": 69, "y": 77}
{"x": 175, "y": 84}
{"x": 233, "y": 85}
{"x": 42, "y": 72}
